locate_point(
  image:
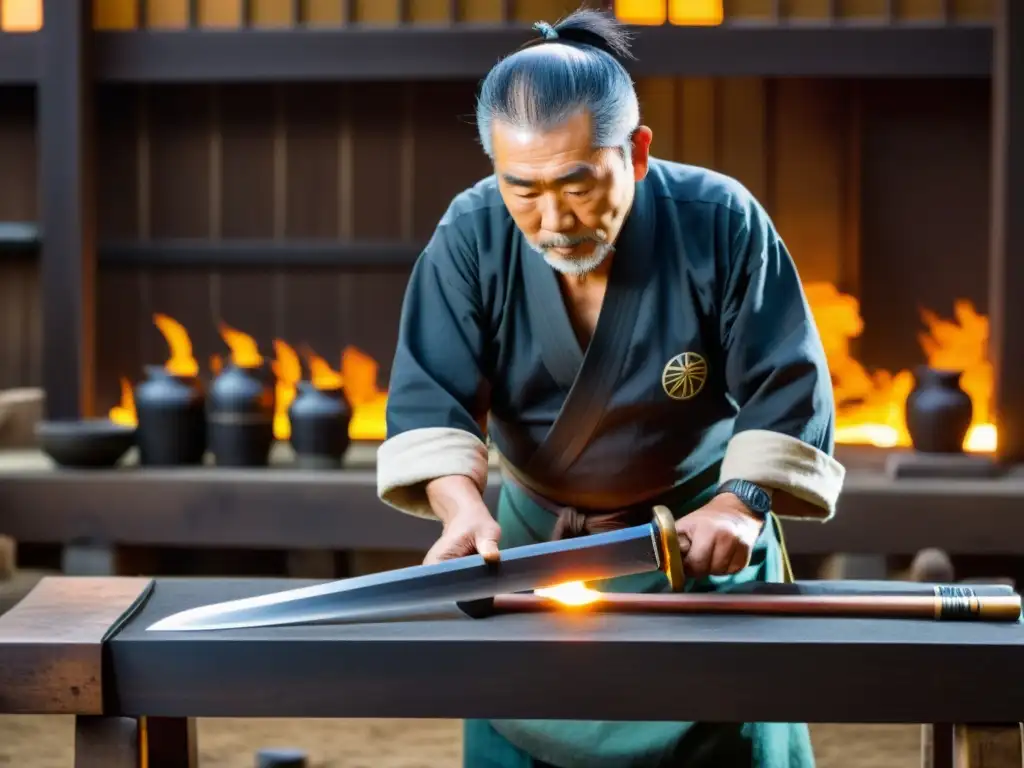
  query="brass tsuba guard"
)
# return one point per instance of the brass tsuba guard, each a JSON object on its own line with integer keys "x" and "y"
{"x": 671, "y": 553}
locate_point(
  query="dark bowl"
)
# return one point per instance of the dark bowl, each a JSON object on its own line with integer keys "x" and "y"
{"x": 88, "y": 443}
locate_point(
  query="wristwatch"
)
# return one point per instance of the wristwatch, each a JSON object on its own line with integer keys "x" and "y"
{"x": 754, "y": 497}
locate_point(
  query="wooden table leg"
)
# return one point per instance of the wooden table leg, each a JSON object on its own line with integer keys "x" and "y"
{"x": 106, "y": 742}
{"x": 122, "y": 742}
{"x": 170, "y": 742}
{"x": 989, "y": 746}
{"x": 937, "y": 745}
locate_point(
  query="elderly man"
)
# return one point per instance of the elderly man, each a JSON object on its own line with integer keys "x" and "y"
{"x": 626, "y": 332}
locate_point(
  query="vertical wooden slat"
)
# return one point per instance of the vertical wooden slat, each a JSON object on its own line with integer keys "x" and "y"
{"x": 696, "y": 113}
{"x": 19, "y": 188}
{"x": 850, "y": 262}
{"x": 272, "y": 13}
{"x": 742, "y": 133}
{"x": 325, "y": 13}
{"x": 119, "y": 310}
{"x": 248, "y": 173}
{"x": 20, "y": 319}
{"x": 866, "y": 9}
{"x": 313, "y": 111}
{"x": 658, "y": 112}
{"x": 312, "y": 313}
{"x": 375, "y": 11}
{"x": 407, "y": 150}
{"x": 179, "y": 170}
{"x": 747, "y": 10}
{"x": 168, "y": 14}
{"x": 974, "y": 10}
{"x": 805, "y": 9}
{"x": 280, "y": 149}
{"x": 430, "y": 11}
{"x": 179, "y": 161}
{"x": 346, "y": 162}
{"x": 225, "y": 14}
{"x": 918, "y": 10}
{"x": 115, "y": 14}
{"x": 377, "y": 160}
{"x": 68, "y": 214}
{"x": 529, "y": 11}
{"x": 1006, "y": 239}
{"x": 808, "y": 164}
{"x": 451, "y": 158}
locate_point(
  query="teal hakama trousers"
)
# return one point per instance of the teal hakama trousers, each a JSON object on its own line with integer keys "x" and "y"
{"x": 599, "y": 744}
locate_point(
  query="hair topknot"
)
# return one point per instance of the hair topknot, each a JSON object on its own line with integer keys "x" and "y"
{"x": 573, "y": 65}
{"x": 589, "y": 27}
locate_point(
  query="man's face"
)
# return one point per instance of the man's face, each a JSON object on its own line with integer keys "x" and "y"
{"x": 569, "y": 199}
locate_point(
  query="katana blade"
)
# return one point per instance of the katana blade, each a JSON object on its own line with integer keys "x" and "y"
{"x": 639, "y": 549}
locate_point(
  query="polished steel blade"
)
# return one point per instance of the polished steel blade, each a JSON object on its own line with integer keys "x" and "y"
{"x": 534, "y": 566}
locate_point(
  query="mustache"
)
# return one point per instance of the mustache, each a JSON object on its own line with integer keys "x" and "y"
{"x": 566, "y": 241}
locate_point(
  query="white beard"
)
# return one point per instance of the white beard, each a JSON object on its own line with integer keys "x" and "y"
{"x": 577, "y": 267}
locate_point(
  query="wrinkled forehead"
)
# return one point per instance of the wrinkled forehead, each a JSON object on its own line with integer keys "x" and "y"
{"x": 545, "y": 152}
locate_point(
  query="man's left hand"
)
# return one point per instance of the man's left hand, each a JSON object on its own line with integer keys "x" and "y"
{"x": 721, "y": 535}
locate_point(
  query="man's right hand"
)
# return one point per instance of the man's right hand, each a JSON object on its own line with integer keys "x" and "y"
{"x": 466, "y": 533}
{"x": 468, "y": 525}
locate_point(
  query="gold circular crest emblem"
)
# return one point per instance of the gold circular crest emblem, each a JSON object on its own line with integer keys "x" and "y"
{"x": 684, "y": 376}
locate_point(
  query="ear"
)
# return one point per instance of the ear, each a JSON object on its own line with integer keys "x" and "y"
{"x": 641, "y": 154}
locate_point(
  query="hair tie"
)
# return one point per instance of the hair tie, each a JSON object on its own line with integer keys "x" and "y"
{"x": 549, "y": 32}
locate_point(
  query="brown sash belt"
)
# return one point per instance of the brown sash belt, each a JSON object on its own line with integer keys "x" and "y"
{"x": 571, "y": 522}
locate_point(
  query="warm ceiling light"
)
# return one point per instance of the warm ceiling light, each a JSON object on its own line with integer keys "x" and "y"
{"x": 696, "y": 12}
{"x": 21, "y": 15}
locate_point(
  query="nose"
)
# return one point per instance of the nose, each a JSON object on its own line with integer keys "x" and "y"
{"x": 555, "y": 215}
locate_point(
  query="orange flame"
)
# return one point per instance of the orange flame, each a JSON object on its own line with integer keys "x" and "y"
{"x": 181, "y": 362}
{"x": 245, "y": 352}
{"x": 358, "y": 377}
{"x": 124, "y": 412}
{"x": 321, "y": 374}
{"x": 369, "y": 404}
{"x": 870, "y": 406}
{"x": 287, "y": 373}
{"x": 570, "y": 593}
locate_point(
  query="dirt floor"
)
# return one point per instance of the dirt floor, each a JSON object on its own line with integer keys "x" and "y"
{"x": 36, "y": 742}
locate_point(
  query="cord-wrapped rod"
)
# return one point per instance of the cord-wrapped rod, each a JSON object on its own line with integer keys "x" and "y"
{"x": 945, "y": 604}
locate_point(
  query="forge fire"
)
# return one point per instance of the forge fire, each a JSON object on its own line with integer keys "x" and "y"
{"x": 870, "y": 404}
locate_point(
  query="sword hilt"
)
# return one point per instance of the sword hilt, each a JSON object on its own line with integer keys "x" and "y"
{"x": 671, "y": 546}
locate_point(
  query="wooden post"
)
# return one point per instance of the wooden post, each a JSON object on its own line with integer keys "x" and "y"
{"x": 1006, "y": 257}
{"x": 989, "y": 746}
{"x": 67, "y": 205}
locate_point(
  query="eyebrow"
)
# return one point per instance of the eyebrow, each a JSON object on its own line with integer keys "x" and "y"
{"x": 579, "y": 173}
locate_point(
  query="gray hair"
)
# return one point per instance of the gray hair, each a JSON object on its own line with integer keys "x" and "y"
{"x": 573, "y": 67}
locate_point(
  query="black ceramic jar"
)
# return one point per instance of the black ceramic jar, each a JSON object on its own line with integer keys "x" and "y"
{"x": 172, "y": 419}
{"x": 240, "y": 416}
{"x": 319, "y": 420}
{"x": 938, "y": 411}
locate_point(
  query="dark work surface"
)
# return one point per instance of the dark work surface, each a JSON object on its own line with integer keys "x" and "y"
{"x": 716, "y": 668}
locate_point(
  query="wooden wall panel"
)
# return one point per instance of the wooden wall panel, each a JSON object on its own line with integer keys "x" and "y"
{"x": 301, "y": 162}
{"x": 787, "y": 141}
{"x": 20, "y": 318}
{"x": 925, "y": 208}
